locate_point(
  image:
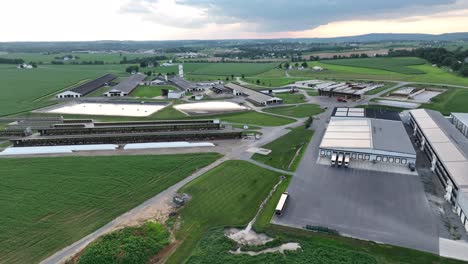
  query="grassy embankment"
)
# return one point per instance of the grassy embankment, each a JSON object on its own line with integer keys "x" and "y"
{"x": 299, "y": 111}
{"x": 287, "y": 151}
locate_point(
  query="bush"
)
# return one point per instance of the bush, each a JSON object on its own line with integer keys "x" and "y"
{"x": 129, "y": 245}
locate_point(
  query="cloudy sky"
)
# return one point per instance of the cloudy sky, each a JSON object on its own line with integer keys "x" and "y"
{"x": 71, "y": 20}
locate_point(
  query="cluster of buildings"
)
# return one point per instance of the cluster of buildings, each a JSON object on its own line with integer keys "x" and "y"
{"x": 379, "y": 136}
{"x": 87, "y": 87}
{"x": 57, "y": 132}
{"x": 346, "y": 89}
{"x": 367, "y": 135}
{"x": 447, "y": 150}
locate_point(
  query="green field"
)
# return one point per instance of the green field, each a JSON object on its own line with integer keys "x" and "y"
{"x": 49, "y": 203}
{"x": 114, "y": 58}
{"x": 303, "y": 110}
{"x": 316, "y": 248}
{"x": 228, "y": 195}
{"x": 227, "y": 69}
{"x": 145, "y": 91}
{"x": 289, "y": 98}
{"x": 312, "y": 93}
{"x": 453, "y": 100}
{"x": 24, "y": 90}
{"x": 287, "y": 151}
{"x": 398, "y": 65}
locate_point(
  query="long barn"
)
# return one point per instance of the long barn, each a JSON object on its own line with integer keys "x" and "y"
{"x": 125, "y": 87}
{"x": 87, "y": 88}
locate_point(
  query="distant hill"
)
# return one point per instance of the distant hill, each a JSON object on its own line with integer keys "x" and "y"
{"x": 379, "y": 37}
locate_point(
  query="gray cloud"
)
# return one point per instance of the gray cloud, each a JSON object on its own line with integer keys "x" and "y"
{"x": 284, "y": 15}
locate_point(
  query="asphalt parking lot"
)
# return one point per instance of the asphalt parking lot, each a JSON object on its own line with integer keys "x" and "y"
{"x": 371, "y": 205}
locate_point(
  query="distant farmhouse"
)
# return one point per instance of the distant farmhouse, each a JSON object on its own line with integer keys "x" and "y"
{"x": 125, "y": 87}
{"x": 87, "y": 87}
{"x": 24, "y": 66}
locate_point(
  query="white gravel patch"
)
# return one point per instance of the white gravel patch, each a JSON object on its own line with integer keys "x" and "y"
{"x": 210, "y": 107}
{"x": 108, "y": 109}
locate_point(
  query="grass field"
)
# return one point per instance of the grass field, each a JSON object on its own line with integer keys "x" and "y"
{"x": 398, "y": 65}
{"x": 145, "y": 91}
{"x": 453, "y": 100}
{"x": 316, "y": 248}
{"x": 289, "y": 98}
{"x": 303, "y": 110}
{"x": 228, "y": 195}
{"x": 287, "y": 150}
{"x": 227, "y": 69}
{"x": 312, "y": 93}
{"x": 47, "y": 58}
{"x": 49, "y": 203}
{"x": 23, "y": 90}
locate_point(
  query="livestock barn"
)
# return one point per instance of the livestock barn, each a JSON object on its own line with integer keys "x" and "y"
{"x": 87, "y": 88}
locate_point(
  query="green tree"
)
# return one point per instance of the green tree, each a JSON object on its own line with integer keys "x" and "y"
{"x": 304, "y": 64}
{"x": 464, "y": 70}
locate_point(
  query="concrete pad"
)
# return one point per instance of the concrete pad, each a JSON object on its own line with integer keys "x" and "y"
{"x": 453, "y": 249}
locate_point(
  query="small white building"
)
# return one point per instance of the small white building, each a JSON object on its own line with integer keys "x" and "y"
{"x": 175, "y": 94}
{"x": 24, "y": 66}
{"x": 157, "y": 82}
{"x": 68, "y": 94}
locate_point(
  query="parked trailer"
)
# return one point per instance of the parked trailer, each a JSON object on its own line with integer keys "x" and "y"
{"x": 334, "y": 158}
{"x": 346, "y": 160}
{"x": 340, "y": 159}
{"x": 282, "y": 203}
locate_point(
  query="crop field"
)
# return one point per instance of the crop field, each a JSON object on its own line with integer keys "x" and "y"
{"x": 228, "y": 195}
{"x": 287, "y": 151}
{"x": 303, "y": 110}
{"x": 150, "y": 91}
{"x": 227, "y": 69}
{"x": 113, "y": 58}
{"x": 23, "y": 90}
{"x": 49, "y": 203}
{"x": 398, "y": 65}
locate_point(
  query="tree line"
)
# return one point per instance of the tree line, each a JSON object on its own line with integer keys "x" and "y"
{"x": 11, "y": 61}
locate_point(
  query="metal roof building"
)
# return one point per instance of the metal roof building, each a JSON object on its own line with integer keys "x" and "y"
{"x": 460, "y": 120}
{"x": 126, "y": 86}
{"x": 376, "y": 140}
{"x": 88, "y": 87}
{"x": 184, "y": 85}
{"x": 253, "y": 96}
{"x": 447, "y": 149}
